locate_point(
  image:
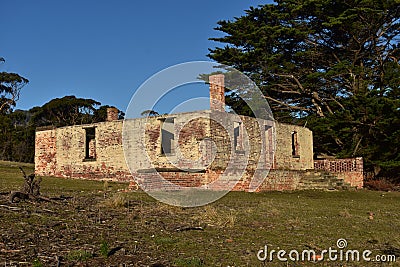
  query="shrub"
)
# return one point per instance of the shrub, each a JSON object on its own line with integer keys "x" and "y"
{"x": 380, "y": 185}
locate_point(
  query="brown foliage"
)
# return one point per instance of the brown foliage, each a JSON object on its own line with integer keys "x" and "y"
{"x": 380, "y": 185}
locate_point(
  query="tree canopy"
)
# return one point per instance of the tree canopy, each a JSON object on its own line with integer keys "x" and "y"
{"x": 17, "y": 127}
{"x": 332, "y": 64}
{"x": 10, "y": 88}
{"x": 68, "y": 110}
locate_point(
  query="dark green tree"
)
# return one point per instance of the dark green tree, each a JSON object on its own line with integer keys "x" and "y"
{"x": 68, "y": 110}
{"x": 17, "y": 137}
{"x": 17, "y": 128}
{"x": 6, "y": 131}
{"x": 10, "y": 88}
{"x": 331, "y": 63}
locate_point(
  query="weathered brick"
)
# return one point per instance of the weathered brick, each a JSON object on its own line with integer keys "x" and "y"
{"x": 199, "y": 136}
{"x": 351, "y": 170}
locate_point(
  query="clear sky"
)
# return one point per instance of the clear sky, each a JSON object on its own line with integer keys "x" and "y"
{"x": 104, "y": 50}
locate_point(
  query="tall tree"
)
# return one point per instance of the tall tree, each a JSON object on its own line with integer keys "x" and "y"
{"x": 10, "y": 88}
{"x": 68, "y": 110}
{"x": 17, "y": 137}
{"x": 329, "y": 62}
{"x": 17, "y": 127}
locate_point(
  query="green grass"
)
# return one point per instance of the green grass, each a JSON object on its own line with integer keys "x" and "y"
{"x": 104, "y": 249}
{"x": 11, "y": 179}
{"x": 234, "y": 228}
{"x": 10, "y": 175}
{"x": 37, "y": 263}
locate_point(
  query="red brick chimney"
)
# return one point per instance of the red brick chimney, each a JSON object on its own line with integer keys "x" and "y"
{"x": 217, "y": 92}
{"x": 112, "y": 114}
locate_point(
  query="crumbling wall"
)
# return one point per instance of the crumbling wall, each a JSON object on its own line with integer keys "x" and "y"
{"x": 45, "y": 152}
{"x": 204, "y": 141}
{"x": 180, "y": 165}
{"x": 281, "y": 180}
{"x": 189, "y": 130}
{"x": 351, "y": 170}
{"x": 217, "y": 92}
{"x": 203, "y": 149}
{"x": 284, "y": 156}
{"x": 62, "y": 152}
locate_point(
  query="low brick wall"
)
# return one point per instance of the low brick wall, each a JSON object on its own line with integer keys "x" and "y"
{"x": 351, "y": 170}
{"x": 281, "y": 180}
{"x": 277, "y": 180}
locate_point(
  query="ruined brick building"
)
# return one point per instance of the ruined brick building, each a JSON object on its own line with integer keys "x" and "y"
{"x": 193, "y": 149}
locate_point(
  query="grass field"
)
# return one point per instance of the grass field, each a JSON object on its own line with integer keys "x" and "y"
{"x": 92, "y": 223}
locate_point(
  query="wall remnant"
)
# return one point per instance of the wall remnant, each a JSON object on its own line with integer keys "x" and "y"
{"x": 46, "y": 152}
{"x": 112, "y": 114}
{"x": 217, "y": 92}
{"x": 351, "y": 170}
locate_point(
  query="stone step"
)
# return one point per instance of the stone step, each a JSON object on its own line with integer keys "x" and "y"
{"x": 337, "y": 181}
{"x": 322, "y": 181}
{"x": 330, "y": 182}
{"x": 316, "y": 188}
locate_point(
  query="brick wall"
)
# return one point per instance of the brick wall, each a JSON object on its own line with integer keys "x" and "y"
{"x": 61, "y": 152}
{"x": 284, "y": 158}
{"x": 277, "y": 180}
{"x": 190, "y": 129}
{"x": 281, "y": 180}
{"x": 351, "y": 170}
{"x": 45, "y": 152}
{"x": 204, "y": 142}
{"x": 112, "y": 114}
{"x": 217, "y": 92}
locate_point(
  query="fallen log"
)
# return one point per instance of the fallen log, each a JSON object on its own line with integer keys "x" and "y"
{"x": 29, "y": 190}
{"x": 19, "y": 195}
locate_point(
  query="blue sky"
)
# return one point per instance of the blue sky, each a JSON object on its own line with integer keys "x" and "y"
{"x": 104, "y": 50}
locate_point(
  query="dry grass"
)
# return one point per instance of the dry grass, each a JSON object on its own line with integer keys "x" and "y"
{"x": 215, "y": 217}
{"x": 117, "y": 201}
{"x": 345, "y": 213}
{"x": 232, "y": 230}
